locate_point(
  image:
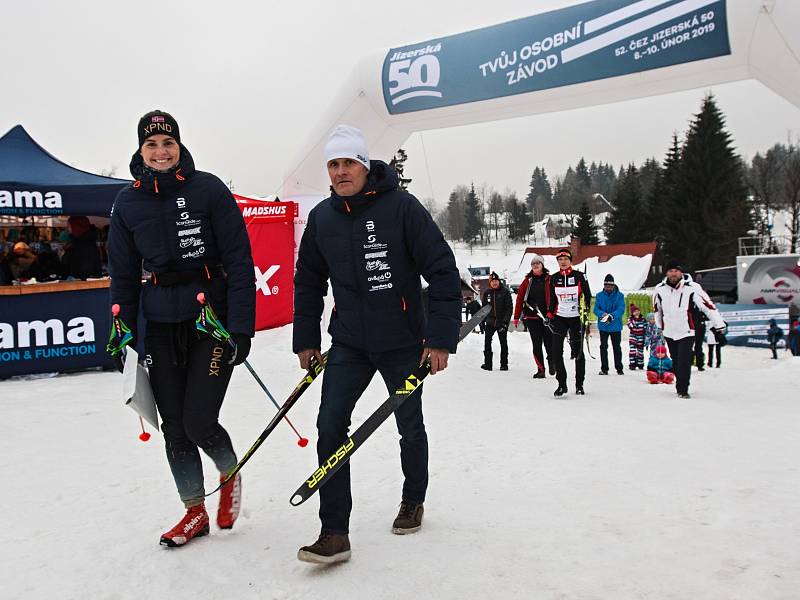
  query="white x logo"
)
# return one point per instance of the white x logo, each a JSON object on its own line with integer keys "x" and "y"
{"x": 262, "y": 279}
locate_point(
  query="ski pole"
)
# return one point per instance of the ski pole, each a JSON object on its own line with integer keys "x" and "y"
{"x": 208, "y": 317}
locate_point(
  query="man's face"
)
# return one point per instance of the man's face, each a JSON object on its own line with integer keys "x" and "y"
{"x": 161, "y": 152}
{"x": 609, "y": 287}
{"x": 348, "y": 176}
{"x": 563, "y": 262}
{"x": 674, "y": 275}
{"x": 494, "y": 283}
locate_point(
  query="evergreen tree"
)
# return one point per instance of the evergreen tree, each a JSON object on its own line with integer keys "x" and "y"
{"x": 540, "y": 196}
{"x": 519, "y": 219}
{"x": 624, "y": 225}
{"x": 711, "y": 184}
{"x": 398, "y": 164}
{"x": 585, "y": 227}
{"x": 453, "y": 216}
{"x": 582, "y": 174}
{"x": 494, "y": 211}
{"x": 664, "y": 202}
{"x": 472, "y": 217}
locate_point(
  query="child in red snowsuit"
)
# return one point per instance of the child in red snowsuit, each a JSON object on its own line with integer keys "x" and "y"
{"x": 659, "y": 367}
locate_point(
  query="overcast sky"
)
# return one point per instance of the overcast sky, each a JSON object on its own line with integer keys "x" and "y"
{"x": 246, "y": 81}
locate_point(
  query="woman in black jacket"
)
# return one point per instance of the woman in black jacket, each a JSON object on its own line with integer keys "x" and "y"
{"x": 533, "y": 297}
{"x": 184, "y": 227}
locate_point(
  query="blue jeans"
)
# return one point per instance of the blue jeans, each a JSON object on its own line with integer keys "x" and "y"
{"x": 347, "y": 374}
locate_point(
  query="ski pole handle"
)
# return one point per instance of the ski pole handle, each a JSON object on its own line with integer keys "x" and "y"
{"x": 201, "y": 298}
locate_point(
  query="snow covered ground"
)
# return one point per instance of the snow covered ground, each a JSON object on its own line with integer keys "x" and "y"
{"x": 627, "y": 492}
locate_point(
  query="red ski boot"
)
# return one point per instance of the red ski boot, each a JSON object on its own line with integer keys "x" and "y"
{"x": 230, "y": 500}
{"x": 193, "y": 524}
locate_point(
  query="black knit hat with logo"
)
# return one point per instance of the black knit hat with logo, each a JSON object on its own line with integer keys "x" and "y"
{"x": 157, "y": 122}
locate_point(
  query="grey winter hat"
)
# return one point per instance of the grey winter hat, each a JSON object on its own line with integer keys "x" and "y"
{"x": 536, "y": 258}
{"x": 347, "y": 142}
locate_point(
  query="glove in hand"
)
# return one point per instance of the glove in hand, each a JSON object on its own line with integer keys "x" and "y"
{"x": 239, "y": 354}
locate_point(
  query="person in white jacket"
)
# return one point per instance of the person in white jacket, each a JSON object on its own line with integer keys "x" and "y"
{"x": 672, "y": 305}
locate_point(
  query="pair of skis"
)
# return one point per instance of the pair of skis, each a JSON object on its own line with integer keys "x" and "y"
{"x": 208, "y": 323}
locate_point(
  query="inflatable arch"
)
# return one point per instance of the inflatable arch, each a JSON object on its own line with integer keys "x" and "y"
{"x": 581, "y": 55}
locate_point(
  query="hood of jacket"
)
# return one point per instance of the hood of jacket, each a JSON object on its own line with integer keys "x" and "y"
{"x": 381, "y": 178}
{"x": 154, "y": 182}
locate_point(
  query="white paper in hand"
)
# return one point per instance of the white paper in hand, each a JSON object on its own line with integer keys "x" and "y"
{"x": 136, "y": 390}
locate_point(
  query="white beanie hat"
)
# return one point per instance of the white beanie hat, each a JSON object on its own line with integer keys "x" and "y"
{"x": 347, "y": 142}
{"x": 537, "y": 258}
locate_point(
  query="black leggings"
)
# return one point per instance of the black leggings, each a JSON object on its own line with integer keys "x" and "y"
{"x": 189, "y": 374}
{"x": 712, "y": 350}
{"x": 539, "y": 334}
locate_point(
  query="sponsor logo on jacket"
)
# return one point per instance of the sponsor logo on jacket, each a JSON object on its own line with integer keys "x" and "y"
{"x": 377, "y": 265}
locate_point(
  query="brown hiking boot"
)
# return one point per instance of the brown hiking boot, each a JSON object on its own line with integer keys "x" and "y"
{"x": 329, "y": 548}
{"x": 409, "y": 519}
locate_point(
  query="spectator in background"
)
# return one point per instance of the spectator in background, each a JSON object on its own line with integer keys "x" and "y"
{"x": 533, "y": 297}
{"x": 659, "y": 367}
{"x": 699, "y": 337}
{"x": 715, "y": 340}
{"x": 774, "y": 335}
{"x": 499, "y": 297}
{"x": 653, "y": 336}
{"x": 609, "y": 306}
{"x": 793, "y": 340}
{"x": 636, "y": 327}
{"x": 570, "y": 299}
{"x": 5, "y": 269}
{"x": 472, "y": 306}
{"x": 81, "y": 259}
{"x": 671, "y": 301}
{"x": 21, "y": 260}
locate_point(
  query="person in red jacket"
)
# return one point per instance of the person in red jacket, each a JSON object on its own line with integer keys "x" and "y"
{"x": 533, "y": 297}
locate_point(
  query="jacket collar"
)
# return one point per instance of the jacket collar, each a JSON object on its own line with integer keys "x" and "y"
{"x": 156, "y": 183}
{"x": 381, "y": 178}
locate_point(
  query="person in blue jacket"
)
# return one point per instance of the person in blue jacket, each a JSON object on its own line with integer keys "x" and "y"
{"x": 372, "y": 240}
{"x": 609, "y": 306}
{"x": 184, "y": 227}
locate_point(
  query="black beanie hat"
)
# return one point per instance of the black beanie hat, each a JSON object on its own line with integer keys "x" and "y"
{"x": 494, "y": 276}
{"x": 674, "y": 263}
{"x": 157, "y": 122}
{"x": 609, "y": 278}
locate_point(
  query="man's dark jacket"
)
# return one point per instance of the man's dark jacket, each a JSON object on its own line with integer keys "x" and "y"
{"x": 502, "y": 307}
{"x": 373, "y": 247}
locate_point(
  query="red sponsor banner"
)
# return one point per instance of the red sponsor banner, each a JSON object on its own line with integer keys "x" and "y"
{"x": 270, "y": 226}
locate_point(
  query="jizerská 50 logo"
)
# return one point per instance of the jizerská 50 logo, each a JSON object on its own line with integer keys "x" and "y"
{"x": 414, "y": 73}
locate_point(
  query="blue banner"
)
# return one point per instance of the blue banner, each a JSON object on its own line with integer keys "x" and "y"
{"x": 57, "y": 331}
{"x": 748, "y": 323}
{"x": 591, "y": 41}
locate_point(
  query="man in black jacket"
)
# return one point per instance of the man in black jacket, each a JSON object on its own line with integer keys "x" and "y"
{"x": 499, "y": 298}
{"x": 373, "y": 241}
{"x": 570, "y": 299}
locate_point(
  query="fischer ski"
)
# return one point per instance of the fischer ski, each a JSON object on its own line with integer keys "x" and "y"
{"x": 314, "y": 370}
{"x": 411, "y": 384}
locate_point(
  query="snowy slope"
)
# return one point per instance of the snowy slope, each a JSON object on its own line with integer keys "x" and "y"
{"x": 626, "y": 492}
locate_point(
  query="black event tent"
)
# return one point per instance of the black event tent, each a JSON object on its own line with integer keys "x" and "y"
{"x": 33, "y": 182}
